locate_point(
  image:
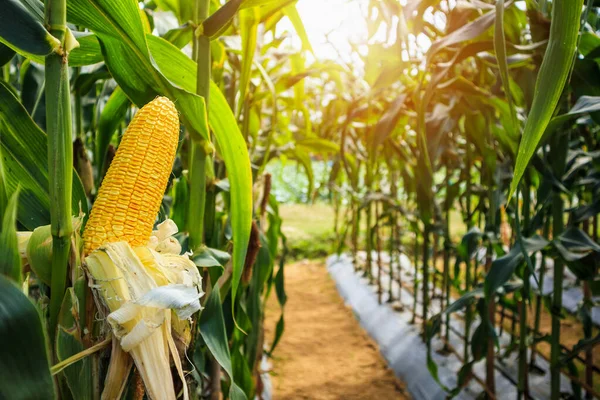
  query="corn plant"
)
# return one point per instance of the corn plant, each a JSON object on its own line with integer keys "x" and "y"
{"x": 140, "y": 239}
{"x": 484, "y": 125}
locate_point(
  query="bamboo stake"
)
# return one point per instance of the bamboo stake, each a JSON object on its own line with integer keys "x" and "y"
{"x": 426, "y": 234}
{"x": 378, "y": 244}
{"x": 523, "y": 384}
{"x": 415, "y": 277}
{"x": 491, "y": 306}
{"x": 369, "y": 245}
{"x": 587, "y": 303}
{"x": 355, "y": 228}
{"x": 540, "y": 297}
{"x": 469, "y": 221}
{"x": 446, "y": 280}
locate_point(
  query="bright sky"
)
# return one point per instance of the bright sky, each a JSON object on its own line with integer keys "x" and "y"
{"x": 343, "y": 18}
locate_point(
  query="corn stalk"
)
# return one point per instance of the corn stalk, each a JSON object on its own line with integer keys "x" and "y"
{"x": 60, "y": 153}
{"x": 558, "y": 153}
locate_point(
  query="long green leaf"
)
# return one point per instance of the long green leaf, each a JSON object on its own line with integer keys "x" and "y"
{"x": 143, "y": 74}
{"x": 24, "y": 367}
{"x": 220, "y": 19}
{"x": 500, "y": 48}
{"x": 584, "y": 105}
{"x": 112, "y": 115}
{"x": 21, "y": 30}
{"x": 291, "y": 12}
{"x": 466, "y": 32}
{"x": 551, "y": 80}
{"x": 212, "y": 329}
{"x": 122, "y": 33}
{"x": 10, "y": 259}
{"x": 249, "y": 19}
{"x": 69, "y": 343}
{"x": 254, "y": 3}
{"x": 181, "y": 70}
{"x": 87, "y": 53}
{"x": 21, "y": 145}
{"x": 503, "y": 267}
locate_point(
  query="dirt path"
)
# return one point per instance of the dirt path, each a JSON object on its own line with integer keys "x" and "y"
{"x": 324, "y": 353}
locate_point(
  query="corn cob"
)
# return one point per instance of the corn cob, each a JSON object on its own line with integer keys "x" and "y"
{"x": 133, "y": 188}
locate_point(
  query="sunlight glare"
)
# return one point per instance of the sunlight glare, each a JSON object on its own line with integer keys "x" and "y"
{"x": 331, "y": 26}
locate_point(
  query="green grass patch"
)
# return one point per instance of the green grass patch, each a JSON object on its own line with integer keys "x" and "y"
{"x": 309, "y": 229}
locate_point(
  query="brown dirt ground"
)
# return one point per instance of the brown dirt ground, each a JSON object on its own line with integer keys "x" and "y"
{"x": 324, "y": 353}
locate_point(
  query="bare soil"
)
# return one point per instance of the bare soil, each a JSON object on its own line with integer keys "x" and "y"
{"x": 324, "y": 353}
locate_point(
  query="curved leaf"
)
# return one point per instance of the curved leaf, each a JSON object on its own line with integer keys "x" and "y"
{"x": 21, "y": 144}
{"x": 500, "y": 48}
{"x": 20, "y": 30}
{"x": 139, "y": 73}
{"x": 87, "y": 53}
{"x": 181, "y": 70}
{"x": 112, "y": 114}
{"x": 551, "y": 80}
{"x": 10, "y": 259}
{"x": 24, "y": 367}
{"x": 249, "y": 20}
{"x": 291, "y": 12}
{"x": 212, "y": 329}
{"x": 503, "y": 267}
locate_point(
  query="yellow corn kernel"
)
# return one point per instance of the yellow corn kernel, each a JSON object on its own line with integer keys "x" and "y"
{"x": 133, "y": 188}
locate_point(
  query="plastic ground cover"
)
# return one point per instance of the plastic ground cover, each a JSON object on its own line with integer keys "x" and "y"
{"x": 401, "y": 345}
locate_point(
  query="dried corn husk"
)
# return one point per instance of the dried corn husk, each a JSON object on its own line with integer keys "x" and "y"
{"x": 145, "y": 291}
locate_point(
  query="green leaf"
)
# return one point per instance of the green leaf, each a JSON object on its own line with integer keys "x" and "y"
{"x": 579, "y": 252}
{"x": 139, "y": 72}
{"x": 386, "y": 125}
{"x": 183, "y": 9}
{"x": 503, "y": 268}
{"x": 22, "y": 143}
{"x": 24, "y": 367}
{"x": 469, "y": 244}
{"x": 581, "y": 346}
{"x": 207, "y": 257}
{"x": 282, "y": 299}
{"x": 212, "y": 329}
{"x": 180, "y": 70}
{"x": 243, "y": 373}
{"x": 249, "y": 20}
{"x": 22, "y": 31}
{"x": 6, "y": 54}
{"x": 10, "y": 259}
{"x": 3, "y": 193}
{"x": 272, "y": 3}
{"x": 180, "y": 200}
{"x": 111, "y": 117}
{"x": 500, "y": 48}
{"x": 180, "y": 36}
{"x": 121, "y": 31}
{"x": 68, "y": 342}
{"x": 216, "y": 24}
{"x": 584, "y": 105}
{"x": 318, "y": 145}
{"x": 466, "y": 32}
{"x": 291, "y": 12}
{"x": 551, "y": 80}
{"x": 87, "y": 53}
{"x": 304, "y": 159}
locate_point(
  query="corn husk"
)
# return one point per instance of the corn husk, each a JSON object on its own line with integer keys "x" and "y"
{"x": 145, "y": 291}
{"x": 119, "y": 368}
